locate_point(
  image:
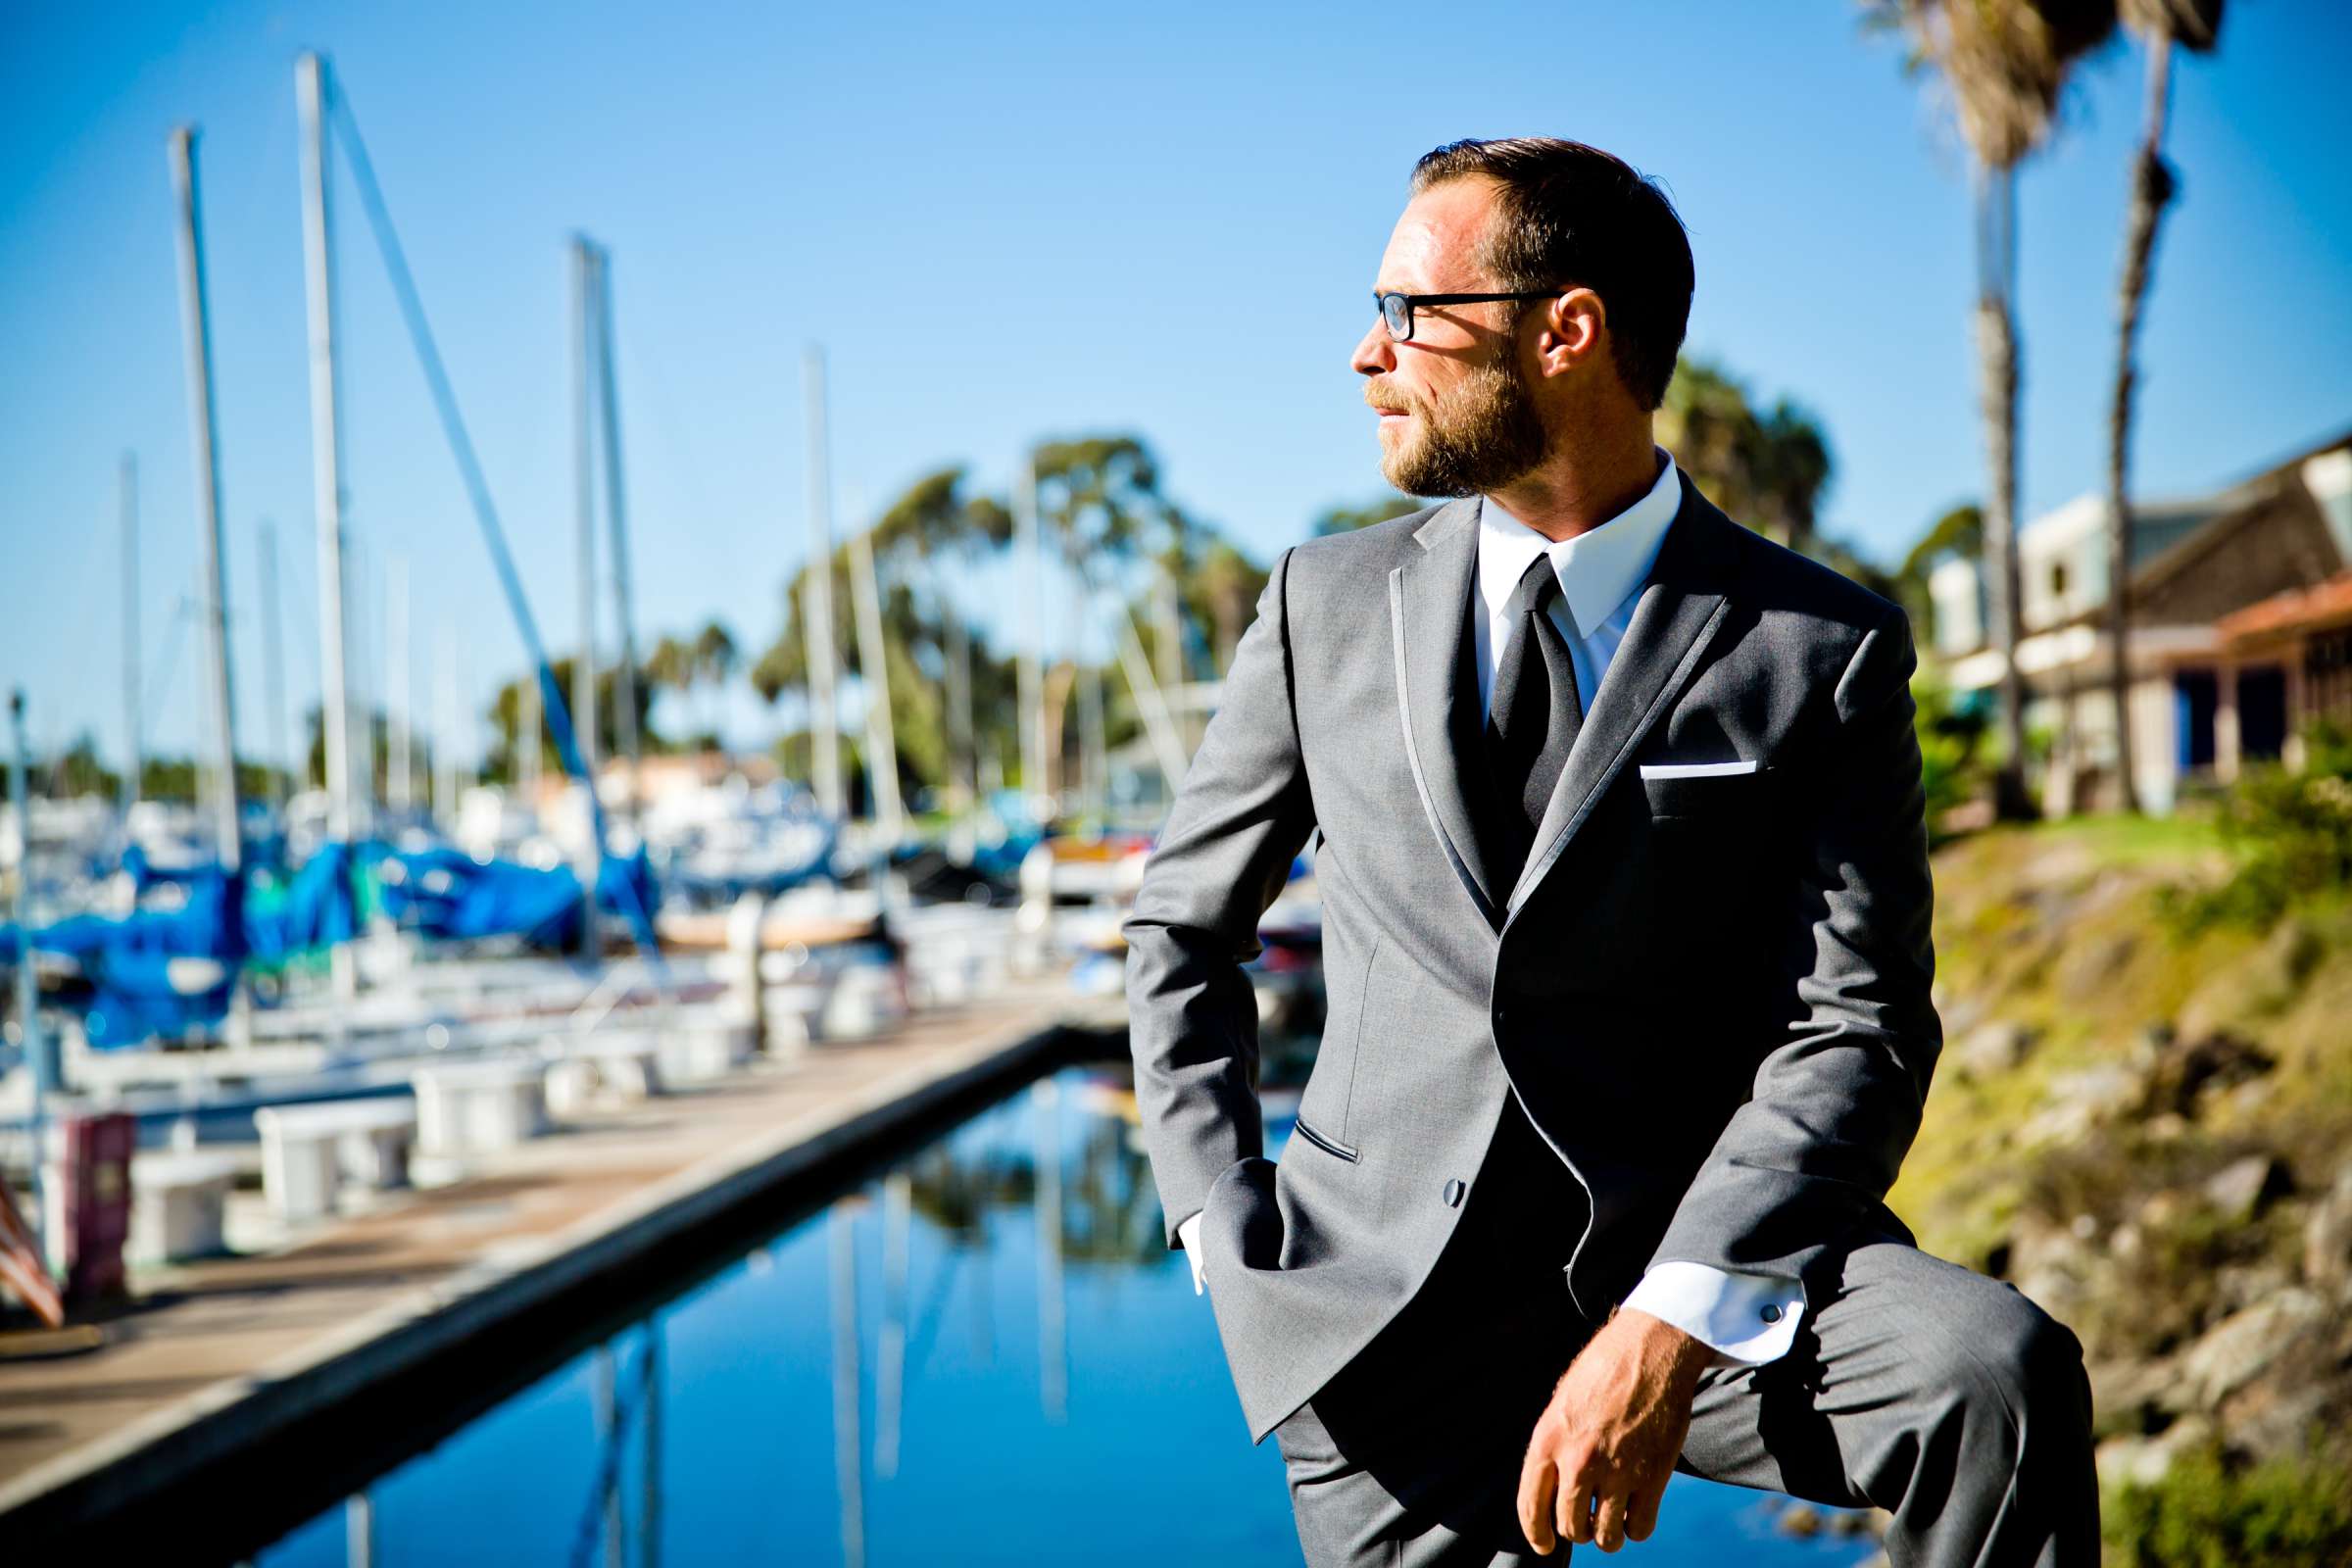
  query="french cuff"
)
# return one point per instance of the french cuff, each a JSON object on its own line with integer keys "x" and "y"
{"x": 1188, "y": 1231}
{"x": 1744, "y": 1318}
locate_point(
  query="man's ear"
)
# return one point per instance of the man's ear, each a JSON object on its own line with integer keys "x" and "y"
{"x": 1575, "y": 324}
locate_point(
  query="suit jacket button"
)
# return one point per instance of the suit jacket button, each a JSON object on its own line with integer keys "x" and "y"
{"x": 1453, "y": 1193}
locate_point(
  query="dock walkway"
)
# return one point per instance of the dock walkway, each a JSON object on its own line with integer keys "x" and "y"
{"x": 216, "y": 1364}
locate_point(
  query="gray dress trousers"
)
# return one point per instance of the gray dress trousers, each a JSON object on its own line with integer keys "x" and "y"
{"x": 1915, "y": 1386}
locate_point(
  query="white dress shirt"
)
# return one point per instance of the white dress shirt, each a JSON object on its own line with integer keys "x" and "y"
{"x": 1743, "y": 1317}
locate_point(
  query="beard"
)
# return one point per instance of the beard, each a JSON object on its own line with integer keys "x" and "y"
{"x": 1480, "y": 436}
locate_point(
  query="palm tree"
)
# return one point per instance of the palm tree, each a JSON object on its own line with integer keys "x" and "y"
{"x": 713, "y": 659}
{"x": 2004, "y": 64}
{"x": 669, "y": 666}
{"x": 2196, "y": 25}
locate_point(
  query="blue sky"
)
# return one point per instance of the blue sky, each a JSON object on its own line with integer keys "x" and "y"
{"x": 1034, "y": 222}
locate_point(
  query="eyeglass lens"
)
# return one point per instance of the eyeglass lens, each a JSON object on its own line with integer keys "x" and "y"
{"x": 1398, "y": 311}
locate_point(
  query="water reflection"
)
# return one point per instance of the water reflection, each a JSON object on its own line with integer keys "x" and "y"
{"x": 842, "y": 1396}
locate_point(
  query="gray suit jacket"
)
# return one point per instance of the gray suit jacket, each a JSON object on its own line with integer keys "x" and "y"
{"x": 1709, "y": 994}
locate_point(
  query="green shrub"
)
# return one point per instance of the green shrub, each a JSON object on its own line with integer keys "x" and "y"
{"x": 2206, "y": 1513}
{"x": 1950, "y": 732}
{"x": 2290, "y": 833}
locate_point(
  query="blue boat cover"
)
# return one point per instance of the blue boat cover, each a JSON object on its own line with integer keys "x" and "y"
{"x": 172, "y": 964}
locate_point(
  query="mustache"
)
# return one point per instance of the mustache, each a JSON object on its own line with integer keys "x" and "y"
{"x": 1387, "y": 399}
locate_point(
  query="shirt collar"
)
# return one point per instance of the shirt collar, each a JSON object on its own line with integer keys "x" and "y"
{"x": 1597, "y": 569}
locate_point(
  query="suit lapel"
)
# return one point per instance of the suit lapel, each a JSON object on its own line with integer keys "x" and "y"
{"x": 1682, "y": 604}
{"x": 1429, "y": 617}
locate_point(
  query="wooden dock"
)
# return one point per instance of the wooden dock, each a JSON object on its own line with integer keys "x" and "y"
{"x": 237, "y": 1397}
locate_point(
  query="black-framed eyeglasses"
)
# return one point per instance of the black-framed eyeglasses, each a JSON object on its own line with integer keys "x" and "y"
{"x": 1396, "y": 310}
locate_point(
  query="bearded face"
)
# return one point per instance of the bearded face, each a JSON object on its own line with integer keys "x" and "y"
{"x": 1478, "y": 435}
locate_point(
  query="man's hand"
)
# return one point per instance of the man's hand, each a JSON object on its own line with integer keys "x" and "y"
{"x": 1597, "y": 1464}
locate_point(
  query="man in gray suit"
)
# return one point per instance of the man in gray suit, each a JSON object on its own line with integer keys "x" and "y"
{"x": 1626, "y": 947}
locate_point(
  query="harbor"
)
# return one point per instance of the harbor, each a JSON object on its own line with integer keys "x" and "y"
{"x": 324, "y": 1343}
{"x": 530, "y": 1127}
{"x": 774, "y": 789}
{"x": 442, "y": 1031}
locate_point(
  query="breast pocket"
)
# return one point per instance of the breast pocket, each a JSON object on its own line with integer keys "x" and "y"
{"x": 1708, "y": 798}
{"x": 1717, "y": 837}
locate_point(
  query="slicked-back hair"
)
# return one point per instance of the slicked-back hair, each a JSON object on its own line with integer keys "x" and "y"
{"x": 1568, "y": 216}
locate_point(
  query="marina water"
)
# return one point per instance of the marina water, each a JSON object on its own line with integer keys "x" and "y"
{"x": 929, "y": 1370}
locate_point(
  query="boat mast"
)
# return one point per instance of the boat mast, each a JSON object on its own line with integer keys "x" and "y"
{"x": 530, "y": 728}
{"x": 1031, "y": 721}
{"x": 824, "y": 737}
{"x": 881, "y": 742}
{"x": 197, "y": 331}
{"x": 400, "y": 790}
{"x": 274, "y": 667}
{"x": 134, "y": 758}
{"x": 583, "y": 474}
{"x": 584, "y": 673}
{"x": 965, "y": 768}
{"x": 34, "y": 1051}
{"x": 625, "y": 685}
{"x": 446, "y": 726}
{"x": 326, "y": 457}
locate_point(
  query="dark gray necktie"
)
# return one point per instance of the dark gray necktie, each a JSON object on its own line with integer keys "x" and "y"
{"x": 1533, "y": 714}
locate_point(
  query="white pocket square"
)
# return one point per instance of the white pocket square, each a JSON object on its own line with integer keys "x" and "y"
{"x": 1696, "y": 770}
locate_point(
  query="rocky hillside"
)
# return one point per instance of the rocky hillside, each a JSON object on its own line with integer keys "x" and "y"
{"x": 2147, "y": 1123}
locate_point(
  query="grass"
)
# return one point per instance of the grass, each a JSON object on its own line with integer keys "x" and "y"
{"x": 2288, "y": 1513}
{"x": 2136, "y": 840}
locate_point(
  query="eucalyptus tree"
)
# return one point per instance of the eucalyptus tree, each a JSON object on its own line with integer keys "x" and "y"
{"x": 1101, "y": 501}
{"x": 2193, "y": 24}
{"x": 2004, "y": 64}
{"x": 935, "y": 532}
{"x": 1223, "y": 595}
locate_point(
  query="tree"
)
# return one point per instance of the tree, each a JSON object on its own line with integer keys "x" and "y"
{"x": 179, "y": 778}
{"x": 1958, "y": 532}
{"x": 77, "y": 771}
{"x": 1346, "y": 519}
{"x": 937, "y": 676}
{"x": 2004, "y": 64}
{"x": 670, "y": 664}
{"x": 709, "y": 661}
{"x": 1768, "y": 469}
{"x": 671, "y": 667}
{"x": 1101, "y": 500}
{"x": 1101, "y": 507}
{"x": 715, "y": 656}
{"x": 2194, "y": 25}
{"x": 378, "y": 723}
{"x": 506, "y": 717}
{"x": 936, "y": 669}
{"x": 1223, "y": 595}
